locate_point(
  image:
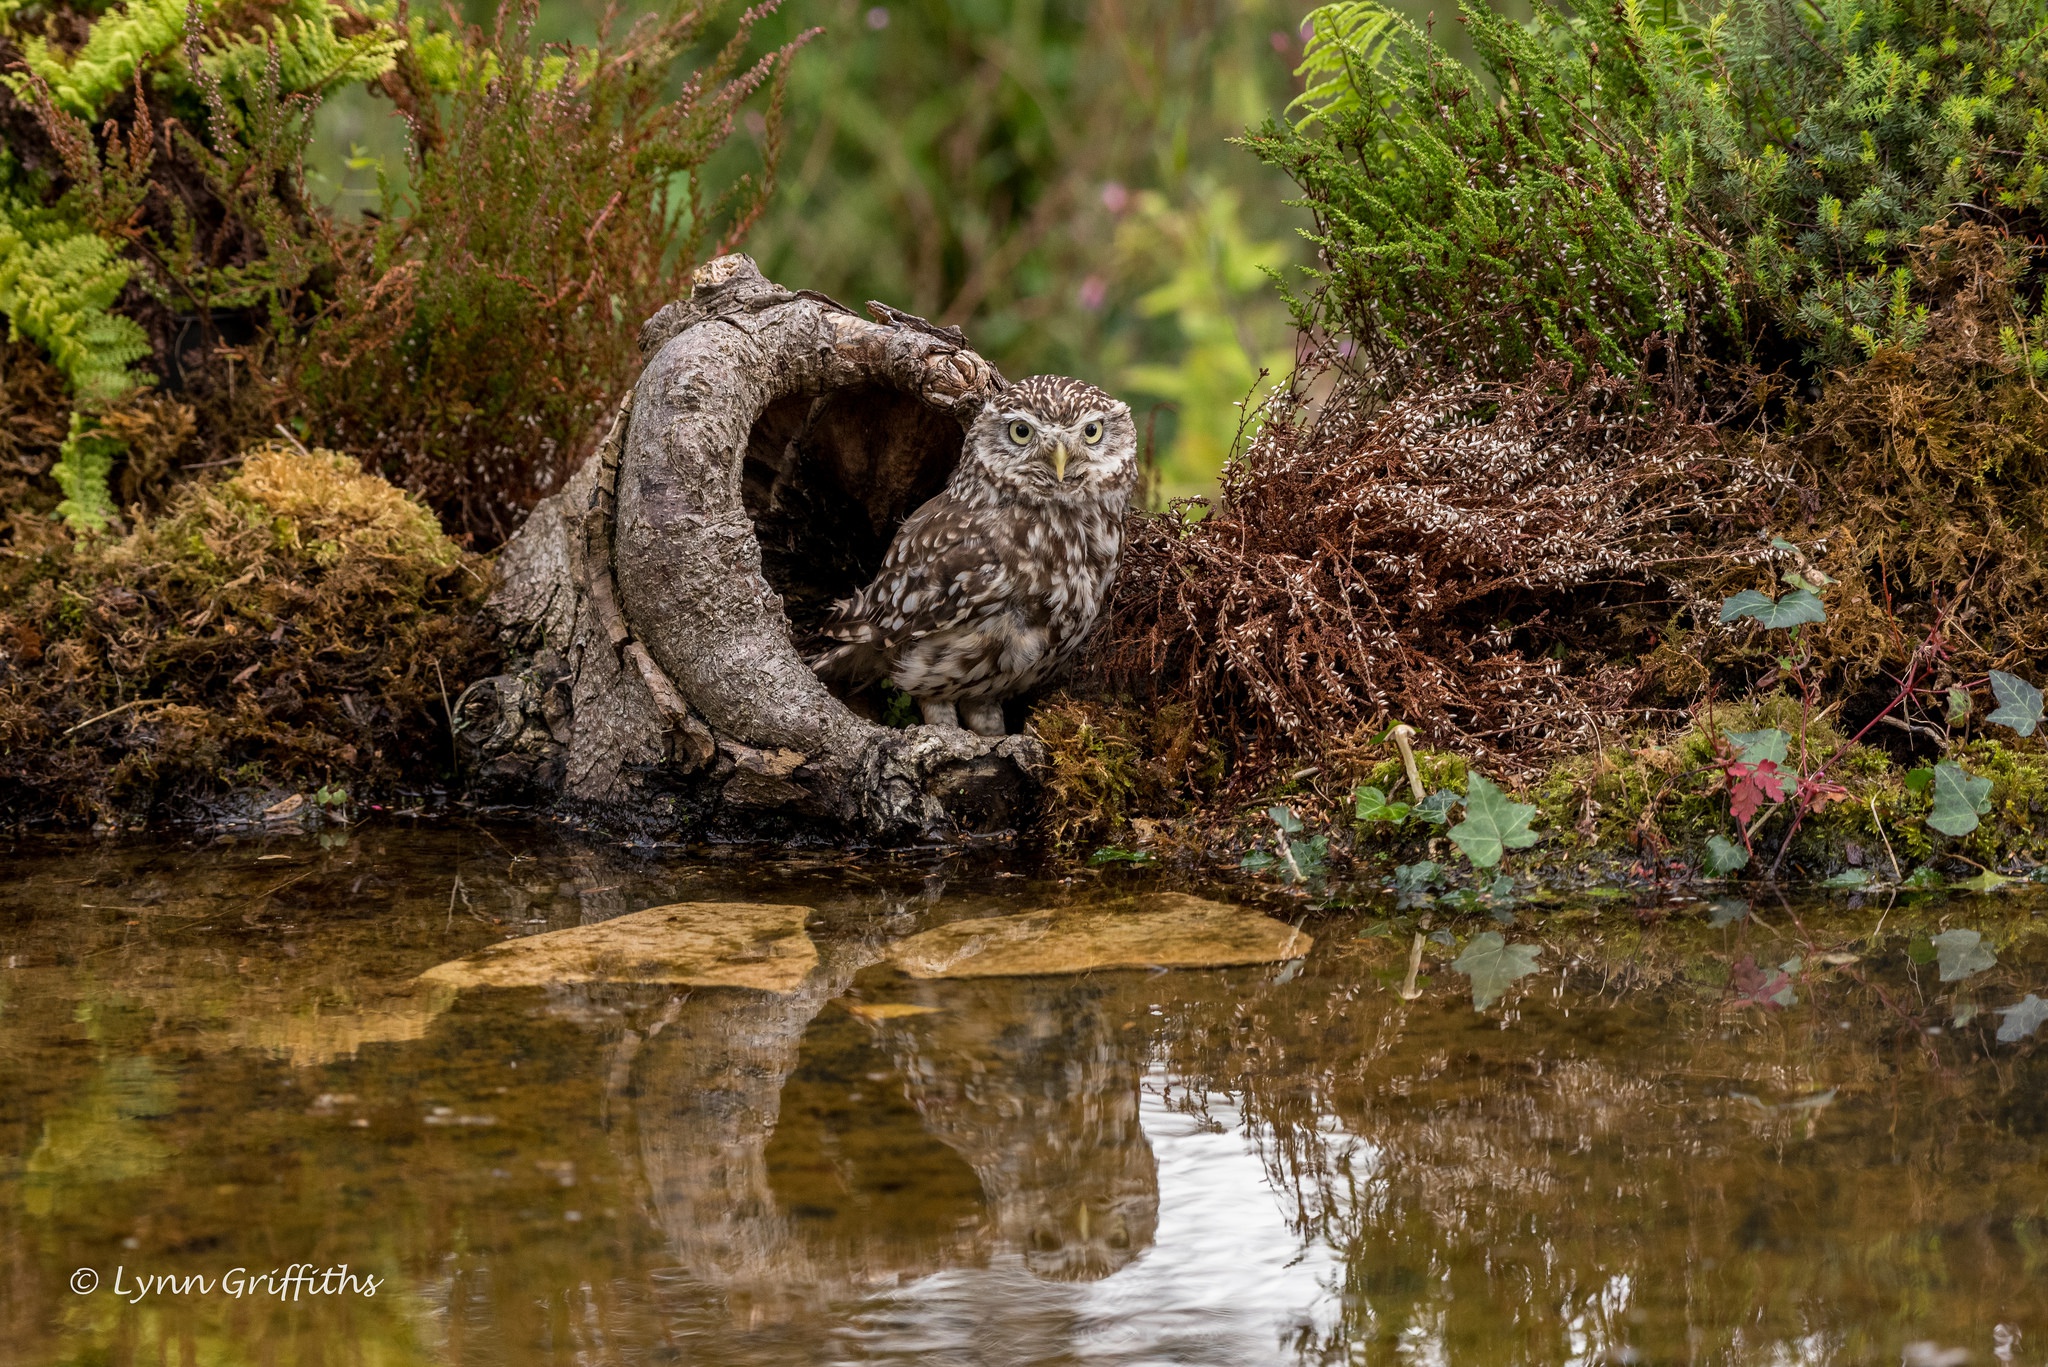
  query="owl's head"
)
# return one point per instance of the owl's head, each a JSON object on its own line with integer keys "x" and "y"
{"x": 1052, "y": 438}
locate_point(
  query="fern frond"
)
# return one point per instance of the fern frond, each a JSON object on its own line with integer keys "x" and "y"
{"x": 312, "y": 58}
{"x": 83, "y": 463}
{"x": 1350, "y": 48}
{"x": 120, "y": 44}
{"x": 57, "y": 288}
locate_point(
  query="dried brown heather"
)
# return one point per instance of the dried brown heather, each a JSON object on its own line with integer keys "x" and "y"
{"x": 1484, "y": 562}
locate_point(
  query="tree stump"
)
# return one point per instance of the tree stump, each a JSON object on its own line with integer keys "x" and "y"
{"x": 659, "y": 604}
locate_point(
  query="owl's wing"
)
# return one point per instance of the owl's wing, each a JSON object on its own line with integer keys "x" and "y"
{"x": 947, "y": 564}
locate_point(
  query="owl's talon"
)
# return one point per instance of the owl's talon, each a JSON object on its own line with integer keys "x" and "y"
{"x": 939, "y": 713}
{"x": 983, "y": 718}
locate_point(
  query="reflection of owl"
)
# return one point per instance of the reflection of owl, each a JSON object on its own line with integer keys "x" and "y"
{"x": 994, "y": 584}
{"x": 1035, "y": 1082}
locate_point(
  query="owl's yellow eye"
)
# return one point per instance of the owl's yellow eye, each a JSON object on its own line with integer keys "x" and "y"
{"x": 1092, "y": 433}
{"x": 1020, "y": 432}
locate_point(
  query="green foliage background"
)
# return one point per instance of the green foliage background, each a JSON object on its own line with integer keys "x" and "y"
{"x": 1058, "y": 178}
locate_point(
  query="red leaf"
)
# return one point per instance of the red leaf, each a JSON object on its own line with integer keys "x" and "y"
{"x": 1753, "y": 986}
{"x": 1750, "y": 786}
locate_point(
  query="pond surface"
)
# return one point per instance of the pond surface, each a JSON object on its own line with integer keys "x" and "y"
{"x": 1781, "y": 1139}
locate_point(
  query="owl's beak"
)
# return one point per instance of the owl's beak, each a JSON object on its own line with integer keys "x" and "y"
{"x": 1059, "y": 461}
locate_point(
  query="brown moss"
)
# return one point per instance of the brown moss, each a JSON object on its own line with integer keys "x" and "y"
{"x": 1921, "y": 481}
{"x": 292, "y": 623}
{"x": 1481, "y": 561}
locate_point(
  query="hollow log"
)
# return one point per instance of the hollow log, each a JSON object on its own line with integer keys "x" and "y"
{"x": 659, "y": 604}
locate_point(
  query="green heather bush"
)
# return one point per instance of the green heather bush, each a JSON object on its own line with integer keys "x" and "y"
{"x": 1829, "y": 136}
{"x": 156, "y": 229}
{"x": 1476, "y": 221}
{"x": 1744, "y": 181}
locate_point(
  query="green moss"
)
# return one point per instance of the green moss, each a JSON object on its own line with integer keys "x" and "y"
{"x": 295, "y": 622}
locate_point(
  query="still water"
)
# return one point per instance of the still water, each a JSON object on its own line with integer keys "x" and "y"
{"x": 216, "y": 1064}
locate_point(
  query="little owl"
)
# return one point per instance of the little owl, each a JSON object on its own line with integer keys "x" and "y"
{"x": 993, "y": 585}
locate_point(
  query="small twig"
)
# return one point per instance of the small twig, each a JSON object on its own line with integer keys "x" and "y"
{"x": 110, "y": 712}
{"x": 1897, "y": 877}
{"x": 289, "y": 436}
{"x": 1908, "y": 727}
{"x": 446, "y": 710}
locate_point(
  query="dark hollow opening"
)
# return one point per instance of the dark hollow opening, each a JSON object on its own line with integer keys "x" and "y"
{"x": 828, "y": 481}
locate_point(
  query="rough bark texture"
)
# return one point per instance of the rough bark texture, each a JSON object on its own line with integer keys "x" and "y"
{"x": 658, "y": 600}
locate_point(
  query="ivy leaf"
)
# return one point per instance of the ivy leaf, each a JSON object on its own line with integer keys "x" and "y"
{"x": 1813, "y": 582}
{"x": 1286, "y": 820}
{"x": 1492, "y": 823}
{"x": 1757, "y": 746}
{"x": 1848, "y": 878}
{"x": 1308, "y": 857}
{"x": 1794, "y": 609}
{"x": 1962, "y": 954}
{"x": 1726, "y": 911}
{"x": 1750, "y": 786}
{"x": 2022, "y": 1019}
{"x": 1436, "y": 808}
{"x": 1958, "y": 705}
{"x": 2019, "y": 702}
{"x": 1374, "y": 806}
{"x": 1724, "y": 856}
{"x": 1919, "y": 780}
{"x": 1958, "y": 800}
{"x": 1924, "y": 878}
{"x": 1771, "y": 989}
{"x": 1986, "y": 881}
{"x": 1414, "y": 877}
{"x": 1492, "y": 964}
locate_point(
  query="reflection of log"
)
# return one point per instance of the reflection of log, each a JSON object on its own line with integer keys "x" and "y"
{"x": 658, "y": 601}
{"x": 783, "y": 1160}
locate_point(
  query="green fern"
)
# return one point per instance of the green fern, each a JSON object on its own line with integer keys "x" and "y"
{"x": 144, "y": 33}
{"x": 57, "y": 289}
{"x": 313, "y": 58}
{"x": 1477, "y": 221}
{"x": 120, "y": 44}
{"x": 84, "y": 462}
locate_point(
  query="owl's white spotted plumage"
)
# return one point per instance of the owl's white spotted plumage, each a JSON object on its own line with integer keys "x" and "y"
{"x": 992, "y": 586}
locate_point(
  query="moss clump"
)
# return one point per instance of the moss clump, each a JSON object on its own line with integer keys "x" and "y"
{"x": 1113, "y": 763}
{"x": 293, "y": 624}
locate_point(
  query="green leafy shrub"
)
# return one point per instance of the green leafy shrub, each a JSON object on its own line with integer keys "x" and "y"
{"x": 464, "y": 340}
{"x": 481, "y": 324}
{"x": 1474, "y": 222}
{"x": 1829, "y": 136}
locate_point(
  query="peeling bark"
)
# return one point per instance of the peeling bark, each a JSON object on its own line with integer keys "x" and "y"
{"x": 657, "y": 602}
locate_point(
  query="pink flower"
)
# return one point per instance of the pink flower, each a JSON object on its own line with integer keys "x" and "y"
{"x": 1115, "y": 197}
{"x": 878, "y": 18}
{"x": 1094, "y": 290}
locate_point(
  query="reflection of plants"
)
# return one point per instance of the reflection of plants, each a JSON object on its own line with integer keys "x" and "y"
{"x": 101, "y": 1137}
{"x": 1292, "y": 858}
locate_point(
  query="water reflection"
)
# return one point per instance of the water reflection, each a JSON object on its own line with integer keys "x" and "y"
{"x": 210, "y": 1059}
